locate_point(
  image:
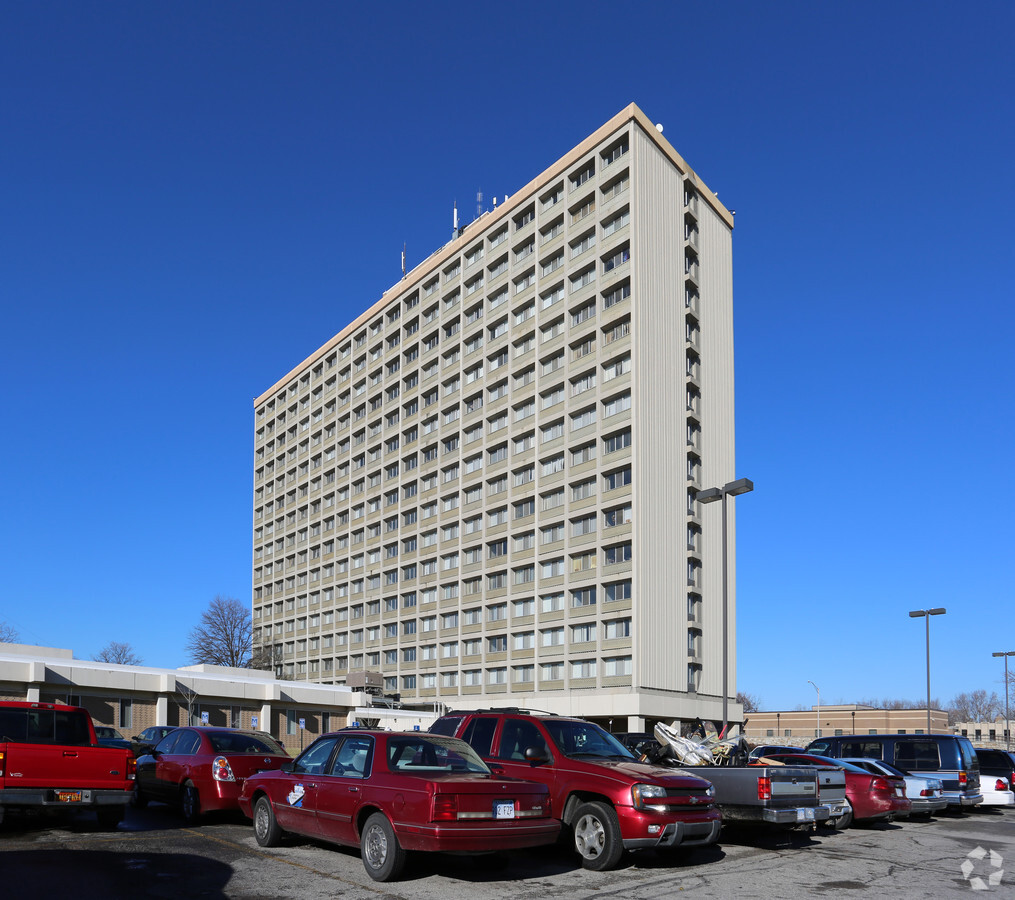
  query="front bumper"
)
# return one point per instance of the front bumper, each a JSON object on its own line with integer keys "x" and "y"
{"x": 679, "y": 834}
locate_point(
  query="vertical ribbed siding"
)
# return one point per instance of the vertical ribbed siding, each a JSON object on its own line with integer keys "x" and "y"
{"x": 718, "y": 456}
{"x": 660, "y": 451}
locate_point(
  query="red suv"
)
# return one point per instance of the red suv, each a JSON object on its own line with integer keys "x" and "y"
{"x": 608, "y": 800}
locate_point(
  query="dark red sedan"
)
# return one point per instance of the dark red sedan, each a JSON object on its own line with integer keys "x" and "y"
{"x": 871, "y": 796}
{"x": 202, "y": 769}
{"x": 392, "y": 792}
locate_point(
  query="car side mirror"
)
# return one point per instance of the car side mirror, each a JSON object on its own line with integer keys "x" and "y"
{"x": 536, "y": 755}
{"x": 287, "y": 767}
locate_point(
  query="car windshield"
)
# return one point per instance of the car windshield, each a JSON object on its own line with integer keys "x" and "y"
{"x": 576, "y": 738}
{"x": 241, "y": 742}
{"x": 429, "y": 753}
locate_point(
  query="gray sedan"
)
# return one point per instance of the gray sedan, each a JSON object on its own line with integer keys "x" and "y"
{"x": 924, "y": 792}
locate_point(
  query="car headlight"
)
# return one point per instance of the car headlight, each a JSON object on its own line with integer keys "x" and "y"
{"x": 643, "y": 795}
{"x": 711, "y": 790}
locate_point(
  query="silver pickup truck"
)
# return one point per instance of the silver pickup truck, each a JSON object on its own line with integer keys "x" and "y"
{"x": 754, "y": 794}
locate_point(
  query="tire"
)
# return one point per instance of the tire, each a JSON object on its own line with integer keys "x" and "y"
{"x": 190, "y": 804}
{"x": 266, "y": 828}
{"x": 845, "y": 820}
{"x": 109, "y": 817}
{"x": 382, "y": 856}
{"x": 138, "y": 800}
{"x": 597, "y": 836}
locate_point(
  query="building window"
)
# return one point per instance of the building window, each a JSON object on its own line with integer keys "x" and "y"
{"x": 616, "y": 666}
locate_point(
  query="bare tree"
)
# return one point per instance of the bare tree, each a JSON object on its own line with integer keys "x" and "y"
{"x": 118, "y": 652}
{"x": 186, "y": 697}
{"x": 898, "y": 703}
{"x": 8, "y": 634}
{"x": 750, "y": 702}
{"x": 224, "y": 636}
{"x": 269, "y": 658}
{"x": 976, "y": 706}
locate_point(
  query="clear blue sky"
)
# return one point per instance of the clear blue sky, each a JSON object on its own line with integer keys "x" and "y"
{"x": 172, "y": 174}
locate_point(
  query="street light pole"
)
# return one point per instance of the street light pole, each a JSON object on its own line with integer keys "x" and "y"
{"x": 1007, "y": 726}
{"x": 926, "y": 614}
{"x": 732, "y": 488}
{"x": 817, "y": 731}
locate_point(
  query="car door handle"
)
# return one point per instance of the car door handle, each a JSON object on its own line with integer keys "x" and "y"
{"x": 70, "y": 753}
{"x": 353, "y": 790}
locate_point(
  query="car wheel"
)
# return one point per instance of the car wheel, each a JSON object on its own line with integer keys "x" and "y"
{"x": 190, "y": 804}
{"x": 597, "y": 836}
{"x": 846, "y": 819}
{"x": 383, "y": 858}
{"x": 266, "y": 828}
{"x": 109, "y": 816}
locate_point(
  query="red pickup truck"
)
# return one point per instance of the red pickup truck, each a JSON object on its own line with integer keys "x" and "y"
{"x": 49, "y": 759}
{"x": 607, "y": 800}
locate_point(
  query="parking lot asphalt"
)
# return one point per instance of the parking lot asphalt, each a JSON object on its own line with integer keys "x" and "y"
{"x": 153, "y": 854}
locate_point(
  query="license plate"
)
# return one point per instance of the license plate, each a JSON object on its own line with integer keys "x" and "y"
{"x": 898, "y": 792}
{"x": 504, "y": 810}
{"x": 68, "y": 796}
{"x": 805, "y": 815}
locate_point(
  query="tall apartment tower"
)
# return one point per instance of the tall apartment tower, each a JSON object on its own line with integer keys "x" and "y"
{"x": 483, "y": 488}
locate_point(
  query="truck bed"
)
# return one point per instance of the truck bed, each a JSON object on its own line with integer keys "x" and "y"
{"x": 776, "y": 795}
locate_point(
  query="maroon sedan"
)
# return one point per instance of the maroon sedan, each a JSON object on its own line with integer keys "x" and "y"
{"x": 202, "y": 769}
{"x": 871, "y": 796}
{"x": 392, "y": 792}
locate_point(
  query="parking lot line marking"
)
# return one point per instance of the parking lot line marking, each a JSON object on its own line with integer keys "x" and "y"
{"x": 288, "y": 862}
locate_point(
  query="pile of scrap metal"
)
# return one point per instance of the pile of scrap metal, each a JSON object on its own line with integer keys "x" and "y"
{"x": 701, "y": 747}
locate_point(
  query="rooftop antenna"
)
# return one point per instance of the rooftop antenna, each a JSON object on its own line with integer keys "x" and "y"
{"x": 403, "y": 260}
{"x": 479, "y": 204}
{"x": 454, "y": 222}
{"x": 495, "y": 202}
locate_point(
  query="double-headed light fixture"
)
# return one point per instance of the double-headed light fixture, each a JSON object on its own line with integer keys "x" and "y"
{"x": 710, "y": 495}
{"x": 927, "y": 613}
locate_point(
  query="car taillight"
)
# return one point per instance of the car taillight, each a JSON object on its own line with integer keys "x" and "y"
{"x": 880, "y": 784}
{"x": 2, "y": 754}
{"x": 131, "y": 767}
{"x": 445, "y": 808}
{"x": 764, "y": 788}
{"x": 1001, "y": 785}
{"x": 963, "y": 778}
{"x": 221, "y": 770}
{"x": 926, "y": 793}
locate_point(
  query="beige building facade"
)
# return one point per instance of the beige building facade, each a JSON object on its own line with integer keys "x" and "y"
{"x": 483, "y": 488}
{"x": 798, "y": 727}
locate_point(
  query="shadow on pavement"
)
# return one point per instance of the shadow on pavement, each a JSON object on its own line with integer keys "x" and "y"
{"x": 96, "y": 874}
